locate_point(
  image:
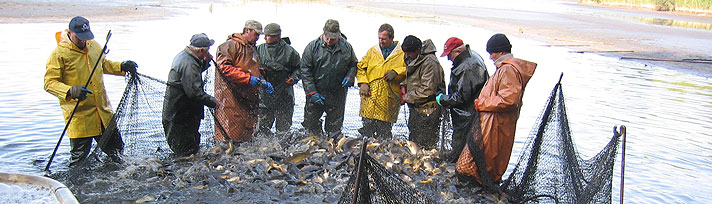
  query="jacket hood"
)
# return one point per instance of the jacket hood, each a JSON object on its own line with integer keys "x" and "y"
{"x": 64, "y": 41}
{"x": 237, "y": 37}
{"x": 526, "y": 68}
{"x": 428, "y": 47}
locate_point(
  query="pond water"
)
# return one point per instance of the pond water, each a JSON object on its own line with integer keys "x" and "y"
{"x": 668, "y": 113}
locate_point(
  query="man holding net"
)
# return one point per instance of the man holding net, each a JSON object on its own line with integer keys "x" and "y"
{"x": 280, "y": 63}
{"x": 379, "y": 75}
{"x": 68, "y": 69}
{"x": 499, "y": 104}
{"x": 185, "y": 97}
{"x": 468, "y": 75}
{"x": 328, "y": 69}
{"x": 236, "y": 78}
{"x": 424, "y": 81}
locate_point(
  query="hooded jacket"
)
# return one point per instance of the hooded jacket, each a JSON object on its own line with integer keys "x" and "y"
{"x": 237, "y": 112}
{"x": 384, "y": 102}
{"x": 324, "y": 68}
{"x": 69, "y": 66}
{"x": 468, "y": 76}
{"x": 499, "y": 103}
{"x": 280, "y": 62}
{"x": 185, "y": 96}
{"x": 424, "y": 79}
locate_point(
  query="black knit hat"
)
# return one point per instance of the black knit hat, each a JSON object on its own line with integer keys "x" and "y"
{"x": 411, "y": 44}
{"x": 498, "y": 43}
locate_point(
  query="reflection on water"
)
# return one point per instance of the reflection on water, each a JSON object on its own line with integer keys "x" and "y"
{"x": 674, "y": 23}
{"x": 667, "y": 112}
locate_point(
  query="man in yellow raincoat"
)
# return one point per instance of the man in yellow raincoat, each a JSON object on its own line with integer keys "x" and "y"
{"x": 379, "y": 75}
{"x": 68, "y": 69}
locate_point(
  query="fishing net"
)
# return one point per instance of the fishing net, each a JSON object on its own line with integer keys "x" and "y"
{"x": 549, "y": 170}
{"x": 378, "y": 185}
{"x": 137, "y": 119}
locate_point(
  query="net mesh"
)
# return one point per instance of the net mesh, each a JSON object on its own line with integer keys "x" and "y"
{"x": 549, "y": 169}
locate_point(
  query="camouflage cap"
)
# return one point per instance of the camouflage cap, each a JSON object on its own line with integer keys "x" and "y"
{"x": 331, "y": 29}
{"x": 273, "y": 29}
{"x": 254, "y": 25}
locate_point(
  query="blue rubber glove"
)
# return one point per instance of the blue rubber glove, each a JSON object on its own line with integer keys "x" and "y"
{"x": 317, "y": 98}
{"x": 437, "y": 99}
{"x": 346, "y": 82}
{"x": 254, "y": 80}
{"x": 268, "y": 87}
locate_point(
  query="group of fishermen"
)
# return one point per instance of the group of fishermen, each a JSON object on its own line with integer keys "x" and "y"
{"x": 253, "y": 89}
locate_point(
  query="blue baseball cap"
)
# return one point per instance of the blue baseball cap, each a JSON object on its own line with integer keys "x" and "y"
{"x": 80, "y": 26}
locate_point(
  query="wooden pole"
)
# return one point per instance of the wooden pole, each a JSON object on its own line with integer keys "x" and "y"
{"x": 360, "y": 170}
{"x": 622, "y": 162}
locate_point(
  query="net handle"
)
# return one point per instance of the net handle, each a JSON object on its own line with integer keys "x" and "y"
{"x": 359, "y": 171}
{"x": 623, "y": 134}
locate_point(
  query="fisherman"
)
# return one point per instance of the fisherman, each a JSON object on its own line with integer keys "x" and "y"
{"x": 468, "y": 75}
{"x": 68, "y": 69}
{"x": 328, "y": 69}
{"x": 424, "y": 81}
{"x": 236, "y": 78}
{"x": 499, "y": 104}
{"x": 280, "y": 63}
{"x": 379, "y": 75}
{"x": 185, "y": 96}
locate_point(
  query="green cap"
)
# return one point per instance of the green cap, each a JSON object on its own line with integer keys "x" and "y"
{"x": 331, "y": 29}
{"x": 254, "y": 25}
{"x": 273, "y": 29}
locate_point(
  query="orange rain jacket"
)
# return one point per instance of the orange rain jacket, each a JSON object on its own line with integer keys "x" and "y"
{"x": 499, "y": 104}
{"x": 236, "y": 111}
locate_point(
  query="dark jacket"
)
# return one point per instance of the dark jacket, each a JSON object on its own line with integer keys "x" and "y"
{"x": 185, "y": 96}
{"x": 469, "y": 74}
{"x": 280, "y": 61}
{"x": 324, "y": 68}
{"x": 424, "y": 79}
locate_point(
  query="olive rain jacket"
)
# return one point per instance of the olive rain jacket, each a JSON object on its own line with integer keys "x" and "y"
{"x": 499, "y": 103}
{"x": 424, "y": 80}
{"x": 324, "y": 68}
{"x": 287, "y": 60}
{"x": 185, "y": 96}
{"x": 469, "y": 74}
{"x": 69, "y": 66}
{"x": 384, "y": 102}
{"x": 237, "y": 112}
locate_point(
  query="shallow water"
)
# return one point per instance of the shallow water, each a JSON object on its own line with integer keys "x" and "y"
{"x": 667, "y": 112}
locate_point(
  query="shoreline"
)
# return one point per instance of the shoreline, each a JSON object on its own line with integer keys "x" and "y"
{"x": 53, "y": 12}
{"x": 604, "y": 36}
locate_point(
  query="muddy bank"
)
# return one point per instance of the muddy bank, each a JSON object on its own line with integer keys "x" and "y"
{"x": 607, "y": 31}
{"x": 32, "y": 11}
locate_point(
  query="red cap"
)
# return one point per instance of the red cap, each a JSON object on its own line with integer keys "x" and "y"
{"x": 450, "y": 45}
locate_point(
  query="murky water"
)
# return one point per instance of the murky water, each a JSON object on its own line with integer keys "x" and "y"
{"x": 669, "y": 150}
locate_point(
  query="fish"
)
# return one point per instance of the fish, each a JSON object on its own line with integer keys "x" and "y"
{"x": 297, "y": 157}
{"x": 412, "y": 147}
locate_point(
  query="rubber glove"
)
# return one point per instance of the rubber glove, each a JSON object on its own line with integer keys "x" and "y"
{"x": 267, "y": 86}
{"x": 437, "y": 99}
{"x": 346, "y": 82}
{"x": 364, "y": 89}
{"x": 79, "y": 92}
{"x": 390, "y": 75}
{"x": 129, "y": 66}
{"x": 254, "y": 80}
{"x": 290, "y": 81}
{"x": 403, "y": 92}
{"x": 317, "y": 98}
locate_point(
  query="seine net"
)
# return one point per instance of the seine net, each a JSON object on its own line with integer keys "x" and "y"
{"x": 549, "y": 170}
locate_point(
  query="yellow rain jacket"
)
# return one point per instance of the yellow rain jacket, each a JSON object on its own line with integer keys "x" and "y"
{"x": 68, "y": 66}
{"x": 384, "y": 102}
